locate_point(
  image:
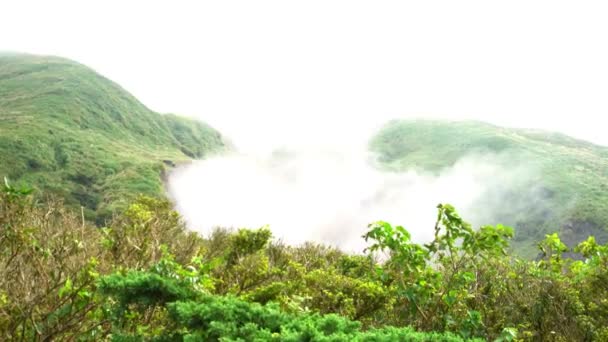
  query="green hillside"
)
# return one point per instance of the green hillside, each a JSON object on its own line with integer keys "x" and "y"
{"x": 145, "y": 277}
{"x": 71, "y": 132}
{"x": 566, "y": 189}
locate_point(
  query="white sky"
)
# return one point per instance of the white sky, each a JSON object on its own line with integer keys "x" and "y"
{"x": 269, "y": 72}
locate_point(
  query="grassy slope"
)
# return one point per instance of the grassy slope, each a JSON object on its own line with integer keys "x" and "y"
{"x": 572, "y": 174}
{"x": 70, "y": 131}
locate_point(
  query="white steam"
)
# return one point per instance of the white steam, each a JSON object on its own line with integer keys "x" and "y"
{"x": 330, "y": 196}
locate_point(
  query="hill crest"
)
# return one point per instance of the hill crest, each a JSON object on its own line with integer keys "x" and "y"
{"x": 70, "y": 131}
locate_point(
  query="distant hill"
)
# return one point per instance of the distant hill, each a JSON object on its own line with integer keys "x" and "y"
{"x": 71, "y": 132}
{"x": 570, "y": 182}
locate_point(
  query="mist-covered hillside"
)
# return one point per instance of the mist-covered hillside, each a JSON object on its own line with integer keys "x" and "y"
{"x": 560, "y": 183}
{"x": 71, "y": 132}
{"x": 147, "y": 275}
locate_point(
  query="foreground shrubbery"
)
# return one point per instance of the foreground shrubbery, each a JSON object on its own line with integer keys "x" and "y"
{"x": 195, "y": 315}
{"x": 146, "y": 277}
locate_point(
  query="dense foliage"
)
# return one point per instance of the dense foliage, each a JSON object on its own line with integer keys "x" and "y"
{"x": 69, "y": 131}
{"x": 145, "y": 277}
{"x": 557, "y": 182}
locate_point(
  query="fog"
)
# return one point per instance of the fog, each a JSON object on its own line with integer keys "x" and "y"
{"x": 270, "y": 71}
{"x": 331, "y": 195}
{"x": 314, "y": 80}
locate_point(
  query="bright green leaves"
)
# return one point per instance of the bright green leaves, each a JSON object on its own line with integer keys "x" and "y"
{"x": 66, "y": 288}
{"x": 410, "y": 257}
{"x": 493, "y": 240}
{"x": 197, "y": 273}
{"x": 438, "y": 280}
{"x": 449, "y": 230}
{"x": 454, "y": 235}
{"x": 589, "y": 248}
{"x": 552, "y": 245}
{"x": 552, "y": 249}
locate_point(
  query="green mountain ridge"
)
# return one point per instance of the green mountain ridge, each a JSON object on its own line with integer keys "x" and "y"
{"x": 570, "y": 181}
{"x": 73, "y": 133}
{"x": 145, "y": 277}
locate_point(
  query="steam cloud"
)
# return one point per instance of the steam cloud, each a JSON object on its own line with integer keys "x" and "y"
{"x": 330, "y": 196}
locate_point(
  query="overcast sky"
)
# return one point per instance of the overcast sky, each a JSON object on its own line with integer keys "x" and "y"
{"x": 274, "y": 72}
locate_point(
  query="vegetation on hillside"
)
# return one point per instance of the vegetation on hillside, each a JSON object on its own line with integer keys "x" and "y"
{"x": 128, "y": 270}
{"x": 71, "y": 132}
{"x": 144, "y": 277}
{"x": 569, "y": 176}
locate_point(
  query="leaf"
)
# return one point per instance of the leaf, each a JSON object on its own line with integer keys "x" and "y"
{"x": 66, "y": 289}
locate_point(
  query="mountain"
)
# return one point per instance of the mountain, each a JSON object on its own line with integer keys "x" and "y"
{"x": 72, "y": 133}
{"x": 565, "y": 188}
{"x": 68, "y": 131}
